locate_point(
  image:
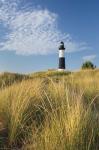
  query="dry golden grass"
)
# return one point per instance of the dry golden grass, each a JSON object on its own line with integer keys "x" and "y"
{"x": 52, "y": 113}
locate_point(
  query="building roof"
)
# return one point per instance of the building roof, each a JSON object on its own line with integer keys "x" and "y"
{"x": 61, "y": 47}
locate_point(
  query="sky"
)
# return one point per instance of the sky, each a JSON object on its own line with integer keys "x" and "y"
{"x": 31, "y": 31}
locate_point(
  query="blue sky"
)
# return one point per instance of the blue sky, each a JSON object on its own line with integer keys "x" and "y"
{"x": 30, "y": 33}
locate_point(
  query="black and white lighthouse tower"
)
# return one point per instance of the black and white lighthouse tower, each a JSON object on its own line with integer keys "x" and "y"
{"x": 61, "y": 57}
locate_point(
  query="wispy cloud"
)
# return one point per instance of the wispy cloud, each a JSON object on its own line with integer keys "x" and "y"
{"x": 89, "y": 57}
{"x": 33, "y": 31}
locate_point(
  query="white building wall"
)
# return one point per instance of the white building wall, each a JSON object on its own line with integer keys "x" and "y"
{"x": 61, "y": 53}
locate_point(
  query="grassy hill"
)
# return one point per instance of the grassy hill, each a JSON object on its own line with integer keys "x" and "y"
{"x": 7, "y": 79}
{"x": 50, "y": 110}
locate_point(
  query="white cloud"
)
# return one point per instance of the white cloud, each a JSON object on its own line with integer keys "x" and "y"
{"x": 33, "y": 31}
{"x": 89, "y": 57}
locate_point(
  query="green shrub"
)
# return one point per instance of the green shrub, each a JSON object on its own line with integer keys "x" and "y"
{"x": 88, "y": 65}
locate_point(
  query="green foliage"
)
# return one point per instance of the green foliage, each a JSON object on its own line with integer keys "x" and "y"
{"x": 88, "y": 65}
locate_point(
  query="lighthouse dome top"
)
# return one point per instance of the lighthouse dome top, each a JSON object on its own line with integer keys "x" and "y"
{"x": 61, "y": 47}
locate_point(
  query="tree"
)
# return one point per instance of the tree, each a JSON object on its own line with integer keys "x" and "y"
{"x": 88, "y": 65}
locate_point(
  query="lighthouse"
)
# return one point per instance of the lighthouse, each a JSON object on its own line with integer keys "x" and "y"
{"x": 61, "y": 57}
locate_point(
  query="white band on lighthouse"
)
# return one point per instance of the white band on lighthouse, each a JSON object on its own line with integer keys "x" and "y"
{"x": 61, "y": 53}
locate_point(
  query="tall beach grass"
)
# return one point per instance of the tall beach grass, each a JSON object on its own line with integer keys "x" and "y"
{"x": 50, "y": 114}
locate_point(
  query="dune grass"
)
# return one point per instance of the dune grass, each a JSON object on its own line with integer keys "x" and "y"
{"x": 7, "y": 79}
{"x": 49, "y": 114}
